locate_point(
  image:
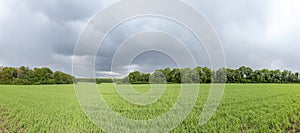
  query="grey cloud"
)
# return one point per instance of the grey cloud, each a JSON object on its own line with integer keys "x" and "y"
{"x": 125, "y": 30}
{"x": 34, "y": 32}
{"x": 245, "y": 27}
{"x": 259, "y": 34}
{"x": 66, "y": 10}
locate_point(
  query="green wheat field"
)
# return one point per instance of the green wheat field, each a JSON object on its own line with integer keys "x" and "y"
{"x": 244, "y": 108}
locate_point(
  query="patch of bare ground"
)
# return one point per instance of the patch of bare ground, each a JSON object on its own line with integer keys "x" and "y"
{"x": 3, "y": 118}
{"x": 295, "y": 124}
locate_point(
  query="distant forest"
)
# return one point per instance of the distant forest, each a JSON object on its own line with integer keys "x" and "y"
{"x": 26, "y": 76}
{"x": 205, "y": 75}
{"x": 37, "y": 76}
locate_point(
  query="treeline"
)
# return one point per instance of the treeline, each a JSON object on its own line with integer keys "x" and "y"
{"x": 205, "y": 75}
{"x": 26, "y": 76}
{"x": 93, "y": 80}
{"x": 36, "y": 76}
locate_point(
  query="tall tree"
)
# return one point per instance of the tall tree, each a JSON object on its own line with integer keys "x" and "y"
{"x": 186, "y": 75}
{"x": 208, "y": 75}
{"x": 175, "y": 76}
{"x": 167, "y": 74}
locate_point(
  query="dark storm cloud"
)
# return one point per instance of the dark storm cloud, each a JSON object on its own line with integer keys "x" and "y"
{"x": 42, "y": 33}
{"x": 148, "y": 63}
{"x": 70, "y": 15}
{"x": 259, "y": 34}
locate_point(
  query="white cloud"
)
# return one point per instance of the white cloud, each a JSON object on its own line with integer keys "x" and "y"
{"x": 284, "y": 19}
{"x": 65, "y": 59}
{"x": 109, "y": 74}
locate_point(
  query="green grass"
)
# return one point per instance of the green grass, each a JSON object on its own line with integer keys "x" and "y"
{"x": 244, "y": 108}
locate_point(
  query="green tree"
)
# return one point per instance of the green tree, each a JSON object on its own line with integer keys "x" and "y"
{"x": 220, "y": 76}
{"x": 62, "y": 78}
{"x": 167, "y": 73}
{"x": 245, "y": 74}
{"x": 175, "y": 75}
{"x": 43, "y": 75}
{"x": 196, "y": 75}
{"x": 134, "y": 77}
{"x": 208, "y": 75}
{"x": 284, "y": 76}
{"x": 158, "y": 77}
{"x": 186, "y": 75}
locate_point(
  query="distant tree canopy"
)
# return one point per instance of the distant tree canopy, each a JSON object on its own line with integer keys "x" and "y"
{"x": 205, "y": 75}
{"x": 94, "y": 80}
{"x": 26, "y": 76}
{"x": 36, "y": 76}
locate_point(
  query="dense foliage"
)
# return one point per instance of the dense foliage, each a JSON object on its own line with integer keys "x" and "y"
{"x": 95, "y": 80}
{"x": 104, "y": 80}
{"x": 206, "y": 75}
{"x": 27, "y": 76}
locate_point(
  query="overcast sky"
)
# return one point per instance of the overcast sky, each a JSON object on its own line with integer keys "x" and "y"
{"x": 256, "y": 33}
